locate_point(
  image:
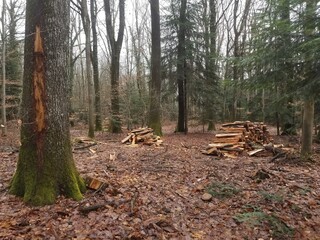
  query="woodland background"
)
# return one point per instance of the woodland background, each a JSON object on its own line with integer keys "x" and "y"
{"x": 240, "y": 60}
{"x": 221, "y": 61}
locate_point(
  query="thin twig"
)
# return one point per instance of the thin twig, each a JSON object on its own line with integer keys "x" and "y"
{"x": 83, "y": 147}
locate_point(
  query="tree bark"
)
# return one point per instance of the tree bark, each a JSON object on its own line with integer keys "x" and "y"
{"x": 307, "y": 127}
{"x": 211, "y": 68}
{"x": 155, "y": 85}
{"x": 308, "y": 114}
{"x": 181, "y": 69}
{"x": 95, "y": 65}
{"x": 115, "y": 45}
{"x": 45, "y": 167}
{"x": 3, "y": 92}
{"x": 238, "y": 30}
{"x": 91, "y": 94}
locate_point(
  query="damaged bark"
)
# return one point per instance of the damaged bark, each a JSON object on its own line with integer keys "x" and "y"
{"x": 45, "y": 167}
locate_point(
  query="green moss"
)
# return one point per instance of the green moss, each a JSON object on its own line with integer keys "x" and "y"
{"x": 45, "y": 194}
{"x": 279, "y": 229}
{"x": 222, "y": 190}
{"x": 40, "y": 183}
{"x": 156, "y": 126}
{"x": 211, "y": 126}
{"x": 72, "y": 185}
{"x": 115, "y": 125}
{"x": 271, "y": 197}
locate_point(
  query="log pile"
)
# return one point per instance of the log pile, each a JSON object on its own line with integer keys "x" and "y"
{"x": 144, "y": 136}
{"x": 13, "y": 92}
{"x": 237, "y": 137}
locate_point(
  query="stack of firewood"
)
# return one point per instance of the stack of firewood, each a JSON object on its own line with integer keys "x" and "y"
{"x": 236, "y": 137}
{"x": 144, "y": 136}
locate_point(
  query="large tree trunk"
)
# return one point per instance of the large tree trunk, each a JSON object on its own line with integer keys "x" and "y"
{"x": 308, "y": 115}
{"x": 95, "y": 65}
{"x": 115, "y": 45}
{"x": 181, "y": 70}
{"x": 45, "y": 167}
{"x": 155, "y": 86}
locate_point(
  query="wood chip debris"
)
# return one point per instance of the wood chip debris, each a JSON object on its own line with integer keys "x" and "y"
{"x": 144, "y": 136}
{"x": 95, "y": 184}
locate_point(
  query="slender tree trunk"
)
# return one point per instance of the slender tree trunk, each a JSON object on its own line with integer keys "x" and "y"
{"x": 181, "y": 69}
{"x": 71, "y": 62}
{"x": 86, "y": 27}
{"x": 45, "y": 167}
{"x": 307, "y": 127}
{"x": 3, "y": 95}
{"x": 95, "y": 65}
{"x": 82, "y": 82}
{"x": 115, "y": 123}
{"x": 263, "y": 103}
{"x": 238, "y": 29}
{"x": 155, "y": 85}
{"x": 212, "y": 81}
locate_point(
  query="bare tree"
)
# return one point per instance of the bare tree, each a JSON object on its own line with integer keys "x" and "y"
{"x": 86, "y": 26}
{"x": 210, "y": 62}
{"x": 155, "y": 85}
{"x": 115, "y": 46}
{"x": 181, "y": 69}
{"x": 238, "y": 28}
{"x": 95, "y": 64}
{"x": 3, "y": 102}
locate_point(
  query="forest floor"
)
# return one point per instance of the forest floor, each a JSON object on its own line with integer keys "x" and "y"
{"x": 156, "y": 193}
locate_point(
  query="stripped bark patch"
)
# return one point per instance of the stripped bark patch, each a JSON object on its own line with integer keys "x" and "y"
{"x": 38, "y": 82}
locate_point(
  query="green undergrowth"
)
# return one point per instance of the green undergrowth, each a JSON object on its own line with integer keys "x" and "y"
{"x": 272, "y": 197}
{"x": 279, "y": 229}
{"x": 222, "y": 190}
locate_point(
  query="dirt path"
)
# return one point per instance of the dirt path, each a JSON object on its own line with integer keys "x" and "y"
{"x": 155, "y": 193}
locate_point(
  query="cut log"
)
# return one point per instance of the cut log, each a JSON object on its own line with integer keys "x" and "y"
{"x": 144, "y": 135}
{"x": 229, "y": 155}
{"x": 236, "y": 123}
{"x": 127, "y": 138}
{"x": 233, "y": 129}
{"x": 233, "y": 140}
{"x": 225, "y": 135}
{"x": 134, "y": 139}
{"x": 241, "y": 135}
{"x": 95, "y": 184}
{"x": 213, "y": 152}
{"x": 219, "y": 145}
{"x": 139, "y": 130}
{"x": 146, "y": 131}
{"x": 233, "y": 149}
{"x": 253, "y": 152}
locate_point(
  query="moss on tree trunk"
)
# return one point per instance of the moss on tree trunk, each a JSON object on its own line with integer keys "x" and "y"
{"x": 39, "y": 183}
{"x": 155, "y": 83}
{"x": 45, "y": 167}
